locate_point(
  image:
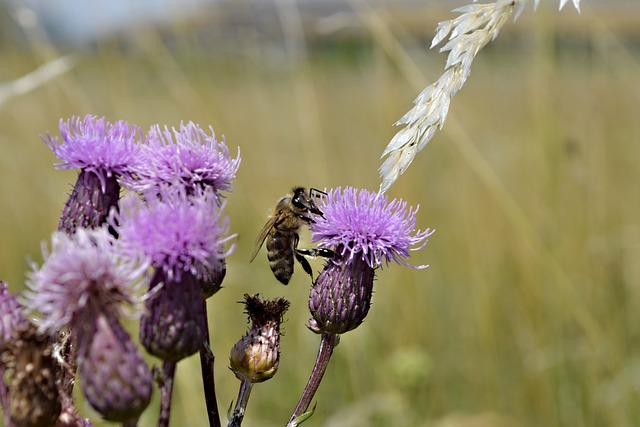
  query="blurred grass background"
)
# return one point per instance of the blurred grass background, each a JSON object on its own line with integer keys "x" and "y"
{"x": 529, "y": 314}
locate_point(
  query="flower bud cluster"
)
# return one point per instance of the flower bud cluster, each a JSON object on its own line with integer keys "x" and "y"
{"x": 170, "y": 239}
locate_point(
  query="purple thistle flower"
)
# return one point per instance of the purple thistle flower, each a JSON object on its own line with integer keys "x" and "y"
{"x": 364, "y": 230}
{"x": 188, "y": 157}
{"x": 175, "y": 231}
{"x": 359, "y": 223}
{"x": 103, "y": 152}
{"x": 83, "y": 285}
{"x": 184, "y": 237}
{"x": 81, "y": 276}
{"x": 94, "y": 145}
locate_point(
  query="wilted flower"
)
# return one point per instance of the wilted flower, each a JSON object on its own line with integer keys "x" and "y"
{"x": 256, "y": 356}
{"x": 365, "y": 231}
{"x": 84, "y": 285}
{"x": 103, "y": 152}
{"x": 33, "y": 371}
{"x": 33, "y": 397}
{"x": 188, "y": 158}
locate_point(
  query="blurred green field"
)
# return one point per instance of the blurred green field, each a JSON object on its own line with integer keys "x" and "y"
{"x": 529, "y": 314}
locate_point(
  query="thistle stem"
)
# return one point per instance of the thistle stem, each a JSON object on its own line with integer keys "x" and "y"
{"x": 166, "y": 390}
{"x": 207, "y": 360}
{"x": 241, "y": 404}
{"x": 327, "y": 344}
{"x": 130, "y": 423}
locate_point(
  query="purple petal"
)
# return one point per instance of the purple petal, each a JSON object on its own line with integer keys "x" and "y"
{"x": 365, "y": 224}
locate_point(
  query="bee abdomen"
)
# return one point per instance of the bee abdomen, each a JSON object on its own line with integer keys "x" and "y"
{"x": 280, "y": 256}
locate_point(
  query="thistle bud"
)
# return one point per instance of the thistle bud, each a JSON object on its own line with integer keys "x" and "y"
{"x": 88, "y": 206}
{"x": 114, "y": 377}
{"x": 171, "y": 327}
{"x": 256, "y": 356}
{"x": 33, "y": 393}
{"x": 341, "y": 296}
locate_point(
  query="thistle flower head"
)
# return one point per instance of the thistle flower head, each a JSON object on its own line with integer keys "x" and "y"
{"x": 365, "y": 225}
{"x": 256, "y": 356}
{"x": 97, "y": 146}
{"x": 365, "y": 230}
{"x": 176, "y": 231}
{"x": 187, "y": 157}
{"x": 81, "y": 276}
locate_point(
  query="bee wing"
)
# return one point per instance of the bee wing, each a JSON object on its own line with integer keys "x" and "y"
{"x": 262, "y": 236}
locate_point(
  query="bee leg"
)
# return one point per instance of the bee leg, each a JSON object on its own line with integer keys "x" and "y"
{"x": 317, "y": 252}
{"x": 302, "y": 253}
{"x": 300, "y": 257}
{"x": 313, "y": 192}
{"x": 306, "y": 219}
{"x": 305, "y": 264}
{"x": 325, "y": 253}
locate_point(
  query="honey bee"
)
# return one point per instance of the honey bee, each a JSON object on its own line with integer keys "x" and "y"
{"x": 281, "y": 233}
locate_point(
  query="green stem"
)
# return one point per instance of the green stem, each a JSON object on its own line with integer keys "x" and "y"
{"x": 166, "y": 390}
{"x": 207, "y": 360}
{"x": 131, "y": 423}
{"x": 241, "y": 404}
{"x": 327, "y": 344}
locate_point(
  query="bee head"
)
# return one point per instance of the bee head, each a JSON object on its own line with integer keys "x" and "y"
{"x": 302, "y": 200}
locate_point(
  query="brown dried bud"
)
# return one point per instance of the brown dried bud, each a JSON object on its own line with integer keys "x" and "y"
{"x": 33, "y": 393}
{"x": 256, "y": 356}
